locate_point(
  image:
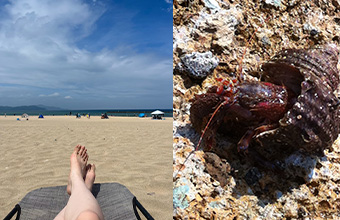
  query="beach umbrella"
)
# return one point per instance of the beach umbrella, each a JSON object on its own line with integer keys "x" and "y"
{"x": 157, "y": 112}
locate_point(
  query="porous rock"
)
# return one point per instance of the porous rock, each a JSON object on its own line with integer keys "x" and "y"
{"x": 309, "y": 186}
{"x": 197, "y": 65}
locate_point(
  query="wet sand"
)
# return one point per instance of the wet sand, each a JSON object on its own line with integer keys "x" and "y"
{"x": 136, "y": 152}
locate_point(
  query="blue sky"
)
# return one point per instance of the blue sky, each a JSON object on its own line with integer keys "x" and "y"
{"x": 86, "y": 54}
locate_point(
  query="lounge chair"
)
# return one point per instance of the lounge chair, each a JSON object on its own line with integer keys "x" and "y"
{"x": 115, "y": 200}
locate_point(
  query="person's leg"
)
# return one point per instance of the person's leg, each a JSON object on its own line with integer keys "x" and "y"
{"x": 89, "y": 181}
{"x": 82, "y": 204}
{"x": 90, "y": 176}
{"x": 60, "y": 215}
{"x": 81, "y": 150}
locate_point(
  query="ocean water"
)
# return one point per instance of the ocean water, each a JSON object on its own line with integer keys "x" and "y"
{"x": 115, "y": 112}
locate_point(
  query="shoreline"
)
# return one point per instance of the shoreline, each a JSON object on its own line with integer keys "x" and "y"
{"x": 122, "y": 112}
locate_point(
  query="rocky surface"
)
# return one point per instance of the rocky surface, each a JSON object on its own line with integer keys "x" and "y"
{"x": 223, "y": 184}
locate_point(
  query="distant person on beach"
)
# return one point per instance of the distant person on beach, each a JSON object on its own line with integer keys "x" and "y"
{"x": 82, "y": 205}
{"x": 104, "y": 116}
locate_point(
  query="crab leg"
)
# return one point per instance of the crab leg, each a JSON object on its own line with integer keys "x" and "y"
{"x": 247, "y": 137}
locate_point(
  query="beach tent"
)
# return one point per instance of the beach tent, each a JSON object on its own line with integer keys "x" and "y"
{"x": 115, "y": 200}
{"x": 41, "y": 116}
{"x": 157, "y": 114}
{"x": 141, "y": 115}
{"x": 24, "y": 116}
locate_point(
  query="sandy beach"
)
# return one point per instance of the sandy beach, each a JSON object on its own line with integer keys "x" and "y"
{"x": 135, "y": 152}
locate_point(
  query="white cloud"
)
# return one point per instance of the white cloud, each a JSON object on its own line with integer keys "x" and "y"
{"x": 68, "y": 97}
{"x": 39, "y": 51}
{"x": 170, "y": 2}
{"x": 50, "y": 95}
{"x": 54, "y": 94}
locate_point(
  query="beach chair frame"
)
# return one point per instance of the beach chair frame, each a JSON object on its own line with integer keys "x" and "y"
{"x": 15, "y": 210}
{"x": 136, "y": 205}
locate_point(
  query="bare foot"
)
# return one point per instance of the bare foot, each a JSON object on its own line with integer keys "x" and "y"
{"x": 79, "y": 159}
{"x": 90, "y": 176}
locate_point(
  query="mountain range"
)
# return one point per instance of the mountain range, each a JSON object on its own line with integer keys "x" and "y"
{"x": 29, "y": 108}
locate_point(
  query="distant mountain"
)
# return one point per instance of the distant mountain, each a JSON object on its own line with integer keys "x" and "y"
{"x": 50, "y": 108}
{"x": 28, "y": 108}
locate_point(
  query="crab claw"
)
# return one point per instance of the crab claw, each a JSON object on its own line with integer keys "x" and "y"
{"x": 243, "y": 144}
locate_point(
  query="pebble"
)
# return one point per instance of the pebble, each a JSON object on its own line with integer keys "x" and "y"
{"x": 198, "y": 65}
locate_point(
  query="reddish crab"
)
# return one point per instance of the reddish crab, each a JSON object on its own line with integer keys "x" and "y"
{"x": 256, "y": 106}
{"x": 296, "y": 105}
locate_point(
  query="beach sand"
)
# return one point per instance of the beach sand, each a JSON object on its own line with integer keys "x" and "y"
{"x": 136, "y": 152}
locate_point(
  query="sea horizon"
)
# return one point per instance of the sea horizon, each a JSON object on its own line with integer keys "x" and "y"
{"x": 93, "y": 112}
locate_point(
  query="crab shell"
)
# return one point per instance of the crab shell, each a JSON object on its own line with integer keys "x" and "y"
{"x": 312, "y": 123}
